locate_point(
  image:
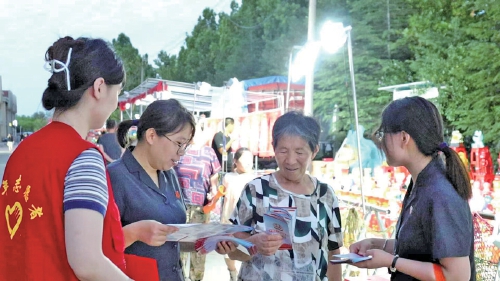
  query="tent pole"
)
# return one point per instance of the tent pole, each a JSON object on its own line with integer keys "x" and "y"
{"x": 358, "y": 133}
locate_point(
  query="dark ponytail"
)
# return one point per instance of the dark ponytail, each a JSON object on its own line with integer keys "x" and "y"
{"x": 165, "y": 116}
{"x": 421, "y": 119}
{"x": 122, "y": 132}
{"x": 457, "y": 172}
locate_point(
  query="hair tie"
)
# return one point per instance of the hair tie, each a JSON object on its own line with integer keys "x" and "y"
{"x": 51, "y": 67}
{"x": 135, "y": 122}
{"x": 442, "y": 146}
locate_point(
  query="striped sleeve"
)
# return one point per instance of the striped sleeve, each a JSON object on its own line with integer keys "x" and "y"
{"x": 85, "y": 185}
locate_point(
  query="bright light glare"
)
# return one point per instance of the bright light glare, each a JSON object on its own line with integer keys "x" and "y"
{"x": 305, "y": 60}
{"x": 333, "y": 36}
{"x": 204, "y": 88}
{"x": 127, "y": 105}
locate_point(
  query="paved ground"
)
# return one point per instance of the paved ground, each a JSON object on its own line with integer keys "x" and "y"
{"x": 215, "y": 268}
{"x": 4, "y": 156}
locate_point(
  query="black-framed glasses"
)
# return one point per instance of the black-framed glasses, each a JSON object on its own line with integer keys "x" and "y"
{"x": 182, "y": 146}
{"x": 379, "y": 135}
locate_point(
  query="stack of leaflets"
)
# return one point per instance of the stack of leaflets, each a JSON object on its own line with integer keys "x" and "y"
{"x": 207, "y": 235}
{"x": 281, "y": 220}
{"x": 349, "y": 258}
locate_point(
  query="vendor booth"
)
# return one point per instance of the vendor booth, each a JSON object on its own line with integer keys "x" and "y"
{"x": 254, "y": 104}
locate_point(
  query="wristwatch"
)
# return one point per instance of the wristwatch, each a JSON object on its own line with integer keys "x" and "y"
{"x": 393, "y": 265}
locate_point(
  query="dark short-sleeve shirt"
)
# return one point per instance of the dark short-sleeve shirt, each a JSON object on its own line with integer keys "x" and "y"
{"x": 111, "y": 146}
{"x": 435, "y": 221}
{"x": 218, "y": 142}
{"x": 138, "y": 198}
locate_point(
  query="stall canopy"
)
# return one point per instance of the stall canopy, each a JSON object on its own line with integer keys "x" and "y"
{"x": 271, "y": 83}
{"x": 241, "y": 97}
{"x": 188, "y": 94}
{"x": 277, "y": 85}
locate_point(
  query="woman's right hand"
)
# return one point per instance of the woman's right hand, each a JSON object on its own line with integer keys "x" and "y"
{"x": 153, "y": 233}
{"x": 267, "y": 244}
{"x": 361, "y": 247}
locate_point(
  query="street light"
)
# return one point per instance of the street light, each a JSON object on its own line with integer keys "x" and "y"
{"x": 333, "y": 37}
{"x": 14, "y": 123}
{"x": 302, "y": 65}
{"x": 290, "y": 61}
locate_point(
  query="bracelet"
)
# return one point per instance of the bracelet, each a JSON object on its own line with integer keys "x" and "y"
{"x": 385, "y": 244}
{"x": 393, "y": 265}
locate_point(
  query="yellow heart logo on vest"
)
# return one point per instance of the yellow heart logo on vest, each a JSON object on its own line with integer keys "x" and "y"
{"x": 17, "y": 210}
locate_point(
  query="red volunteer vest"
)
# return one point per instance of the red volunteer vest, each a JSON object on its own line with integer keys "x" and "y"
{"x": 31, "y": 197}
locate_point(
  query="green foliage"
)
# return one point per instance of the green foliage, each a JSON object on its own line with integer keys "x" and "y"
{"x": 453, "y": 44}
{"x": 378, "y": 58}
{"x": 136, "y": 66}
{"x": 456, "y": 44}
{"x": 32, "y": 123}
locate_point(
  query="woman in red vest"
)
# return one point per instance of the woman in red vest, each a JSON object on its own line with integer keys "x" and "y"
{"x": 61, "y": 221}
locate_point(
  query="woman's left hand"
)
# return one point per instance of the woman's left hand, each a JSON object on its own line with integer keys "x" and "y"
{"x": 225, "y": 247}
{"x": 379, "y": 259}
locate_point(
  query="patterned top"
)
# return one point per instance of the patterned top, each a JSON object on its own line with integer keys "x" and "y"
{"x": 317, "y": 230}
{"x": 194, "y": 171}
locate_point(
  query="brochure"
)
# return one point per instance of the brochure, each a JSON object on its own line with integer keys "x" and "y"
{"x": 349, "y": 258}
{"x": 207, "y": 235}
{"x": 281, "y": 220}
{"x": 195, "y": 231}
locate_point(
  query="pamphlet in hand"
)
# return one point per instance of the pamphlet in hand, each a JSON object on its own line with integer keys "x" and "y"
{"x": 349, "y": 258}
{"x": 207, "y": 235}
{"x": 194, "y": 231}
{"x": 209, "y": 244}
{"x": 281, "y": 220}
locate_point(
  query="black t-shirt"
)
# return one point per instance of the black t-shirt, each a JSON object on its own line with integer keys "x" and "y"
{"x": 435, "y": 221}
{"x": 218, "y": 142}
{"x": 110, "y": 145}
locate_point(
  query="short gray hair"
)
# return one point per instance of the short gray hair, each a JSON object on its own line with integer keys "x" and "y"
{"x": 294, "y": 123}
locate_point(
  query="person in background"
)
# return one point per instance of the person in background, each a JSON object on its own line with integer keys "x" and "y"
{"x": 10, "y": 142}
{"x": 434, "y": 234}
{"x": 197, "y": 172}
{"x": 222, "y": 143}
{"x": 317, "y": 234}
{"x": 146, "y": 187}
{"x": 234, "y": 183}
{"x": 108, "y": 142}
{"x": 61, "y": 219}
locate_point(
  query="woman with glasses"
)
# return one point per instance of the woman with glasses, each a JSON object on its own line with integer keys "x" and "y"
{"x": 434, "y": 234}
{"x": 146, "y": 188}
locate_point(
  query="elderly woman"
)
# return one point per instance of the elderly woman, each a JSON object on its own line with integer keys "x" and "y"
{"x": 317, "y": 234}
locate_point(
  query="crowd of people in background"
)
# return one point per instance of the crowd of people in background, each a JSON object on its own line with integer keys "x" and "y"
{"x": 102, "y": 209}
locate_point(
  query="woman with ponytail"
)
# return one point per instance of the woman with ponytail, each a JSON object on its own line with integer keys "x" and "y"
{"x": 434, "y": 234}
{"x": 146, "y": 187}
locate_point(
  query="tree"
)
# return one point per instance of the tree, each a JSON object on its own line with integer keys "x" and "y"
{"x": 136, "y": 65}
{"x": 31, "y": 123}
{"x": 379, "y": 60}
{"x": 167, "y": 66}
{"x": 455, "y": 44}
